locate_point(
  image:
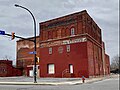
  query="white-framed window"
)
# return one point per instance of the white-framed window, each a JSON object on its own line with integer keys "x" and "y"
{"x": 68, "y": 48}
{"x": 72, "y": 31}
{"x": 50, "y": 50}
{"x": 51, "y": 69}
{"x": 71, "y": 68}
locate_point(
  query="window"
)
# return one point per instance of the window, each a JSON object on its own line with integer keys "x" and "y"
{"x": 68, "y": 48}
{"x": 51, "y": 69}
{"x": 50, "y": 50}
{"x": 72, "y": 31}
{"x": 71, "y": 68}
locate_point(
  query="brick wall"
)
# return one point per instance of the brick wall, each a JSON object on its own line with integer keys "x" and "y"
{"x": 7, "y": 70}
{"x": 23, "y": 49}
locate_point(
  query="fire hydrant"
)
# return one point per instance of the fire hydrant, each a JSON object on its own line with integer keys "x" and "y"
{"x": 83, "y": 79}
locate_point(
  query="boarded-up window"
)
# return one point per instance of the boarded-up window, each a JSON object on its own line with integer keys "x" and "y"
{"x": 68, "y": 48}
{"x": 71, "y": 68}
{"x": 50, "y": 50}
{"x": 51, "y": 69}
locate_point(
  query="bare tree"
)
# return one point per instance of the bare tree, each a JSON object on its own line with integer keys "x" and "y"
{"x": 6, "y": 57}
{"x": 115, "y": 63}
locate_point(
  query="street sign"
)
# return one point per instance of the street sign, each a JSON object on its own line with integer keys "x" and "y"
{"x": 32, "y": 52}
{"x": 2, "y": 32}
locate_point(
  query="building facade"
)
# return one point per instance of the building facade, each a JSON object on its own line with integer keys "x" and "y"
{"x": 7, "y": 70}
{"x": 25, "y": 60}
{"x": 70, "y": 46}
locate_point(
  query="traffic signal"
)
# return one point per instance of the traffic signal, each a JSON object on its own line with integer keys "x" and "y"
{"x": 37, "y": 59}
{"x": 13, "y": 35}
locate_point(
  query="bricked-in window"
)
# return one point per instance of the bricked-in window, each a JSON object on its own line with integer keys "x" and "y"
{"x": 50, "y": 50}
{"x": 59, "y": 33}
{"x": 72, "y": 31}
{"x": 49, "y": 35}
{"x": 68, "y": 48}
{"x": 45, "y": 35}
{"x": 63, "y": 32}
{"x": 54, "y": 34}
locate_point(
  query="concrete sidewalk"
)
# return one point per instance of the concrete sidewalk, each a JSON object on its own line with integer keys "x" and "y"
{"x": 49, "y": 81}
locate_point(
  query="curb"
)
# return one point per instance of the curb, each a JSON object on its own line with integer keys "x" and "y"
{"x": 95, "y": 80}
{"x": 76, "y": 82}
{"x": 40, "y": 83}
{"x": 51, "y": 83}
{"x": 25, "y": 83}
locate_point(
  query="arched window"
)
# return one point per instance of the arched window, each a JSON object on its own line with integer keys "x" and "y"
{"x": 72, "y": 31}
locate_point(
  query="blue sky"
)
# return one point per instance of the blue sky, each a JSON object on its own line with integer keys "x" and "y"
{"x": 104, "y": 12}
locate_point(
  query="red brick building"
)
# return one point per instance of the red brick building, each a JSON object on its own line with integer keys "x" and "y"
{"x": 70, "y": 46}
{"x": 24, "y": 59}
{"x": 106, "y": 61}
{"x": 7, "y": 70}
{"x": 107, "y": 65}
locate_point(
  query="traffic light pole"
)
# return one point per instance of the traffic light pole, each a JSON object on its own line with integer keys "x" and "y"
{"x": 35, "y": 81}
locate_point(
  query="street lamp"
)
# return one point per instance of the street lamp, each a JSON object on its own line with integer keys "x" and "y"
{"x": 35, "y": 81}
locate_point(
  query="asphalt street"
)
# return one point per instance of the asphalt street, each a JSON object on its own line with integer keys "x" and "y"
{"x": 107, "y": 84}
